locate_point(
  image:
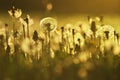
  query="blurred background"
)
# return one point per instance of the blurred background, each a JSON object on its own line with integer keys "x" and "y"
{"x": 65, "y": 11}
{"x": 64, "y": 6}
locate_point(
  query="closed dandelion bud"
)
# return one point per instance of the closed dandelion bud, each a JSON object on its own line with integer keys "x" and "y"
{"x": 88, "y": 18}
{"x": 62, "y": 28}
{"x": 73, "y": 31}
{"x": 79, "y": 40}
{"x": 106, "y": 34}
{"x": 101, "y": 18}
{"x": 35, "y": 36}
{"x": 26, "y": 20}
{"x": 117, "y": 35}
{"x": 13, "y": 11}
{"x": 6, "y": 25}
{"x": 114, "y": 32}
{"x": 93, "y": 27}
{"x": 48, "y": 26}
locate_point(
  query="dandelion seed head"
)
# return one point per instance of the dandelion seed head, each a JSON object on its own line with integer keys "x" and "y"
{"x": 48, "y": 20}
{"x": 110, "y": 29}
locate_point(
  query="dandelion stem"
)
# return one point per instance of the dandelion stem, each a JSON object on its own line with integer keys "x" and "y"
{"x": 28, "y": 31}
{"x": 24, "y": 31}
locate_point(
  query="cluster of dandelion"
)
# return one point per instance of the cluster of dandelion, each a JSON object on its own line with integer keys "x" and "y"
{"x": 77, "y": 50}
{"x": 85, "y": 39}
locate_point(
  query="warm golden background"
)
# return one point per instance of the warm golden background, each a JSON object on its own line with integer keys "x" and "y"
{"x": 75, "y": 6}
{"x": 65, "y": 11}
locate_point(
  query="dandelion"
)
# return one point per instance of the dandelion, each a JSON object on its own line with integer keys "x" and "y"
{"x": 110, "y": 29}
{"x": 79, "y": 39}
{"x": 62, "y": 29}
{"x": 84, "y": 29}
{"x": 116, "y": 36}
{"x": 35, "y": 36}
{"x": 88, "y": 17}
{"x": 48, "y": 25}
{"x": 6, "y": 32}
{"x": 108, "y": 44}
{"x": 27, "y": 22}
{"x": 15, "y": 13}
{"x": 73, "y": 34}
{"x": 8, "y": 50}
{"x": 106, "y": 34}
{"x": 93, "y": 28}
